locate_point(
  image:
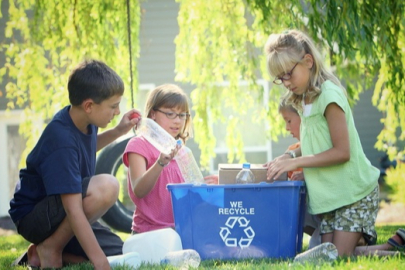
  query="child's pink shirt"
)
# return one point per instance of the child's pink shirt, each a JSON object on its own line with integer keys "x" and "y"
{"x": 154, "y": 211}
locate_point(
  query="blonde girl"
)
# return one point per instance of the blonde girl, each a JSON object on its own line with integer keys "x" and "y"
{"x": 341, "y": 182}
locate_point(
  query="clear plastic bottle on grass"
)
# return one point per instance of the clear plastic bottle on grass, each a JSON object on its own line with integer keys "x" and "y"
{"x": 245, "y": 176}
{"x": 188, "y": 165}
{"x": 326, "y": 252}
{"x": 183, "y": 259}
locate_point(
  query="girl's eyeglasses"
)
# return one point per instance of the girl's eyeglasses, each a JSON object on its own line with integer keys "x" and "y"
{"x": 172, "y": 115}
{"x": 285, "y": 77}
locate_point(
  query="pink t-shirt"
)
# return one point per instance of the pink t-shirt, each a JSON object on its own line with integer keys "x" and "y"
{"x": 154, "y": 211}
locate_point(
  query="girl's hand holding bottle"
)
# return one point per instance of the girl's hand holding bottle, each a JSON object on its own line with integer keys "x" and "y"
{"x": 164, "y": 159}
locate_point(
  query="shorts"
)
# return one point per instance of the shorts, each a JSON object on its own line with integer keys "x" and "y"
{"x": 46, "y": 217}
{"x": 312, "y": 221}
{"x": 357, "y": 217}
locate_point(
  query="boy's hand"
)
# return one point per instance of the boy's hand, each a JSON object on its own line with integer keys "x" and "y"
{"x": 128, "y": 121}
{"x": 134, "y": 115}
{"x": 102, "y": 265}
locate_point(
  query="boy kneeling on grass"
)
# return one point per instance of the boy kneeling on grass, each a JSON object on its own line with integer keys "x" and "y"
{"x": 59, "y": 198}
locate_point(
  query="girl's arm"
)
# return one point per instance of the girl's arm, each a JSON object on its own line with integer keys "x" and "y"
{"x": 143, "y": 180}
{"x": 337, "y": 154}
{"x": 286, "y": 155}
{"x": 211, "y": 179}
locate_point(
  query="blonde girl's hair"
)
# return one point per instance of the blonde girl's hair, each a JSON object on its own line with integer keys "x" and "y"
{"x": 284, "y": 105}
{"x": 170, "y": 96}
{"x": 288, "y": 48}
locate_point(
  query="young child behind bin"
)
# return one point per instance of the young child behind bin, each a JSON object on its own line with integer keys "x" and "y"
{"x": 59, "y": 196}
{"x": 292, "y": 124}
{"x": 342, "y": 184}
{"x": 149, "y": 170}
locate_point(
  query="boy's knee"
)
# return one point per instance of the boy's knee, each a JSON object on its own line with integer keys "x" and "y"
{"x": 112, "y": 181}
{"x": 111, "y": 186}
{"x": 106, "y": 186}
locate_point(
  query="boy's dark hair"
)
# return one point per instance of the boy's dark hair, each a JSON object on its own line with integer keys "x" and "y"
{"x": 95, "y": 80}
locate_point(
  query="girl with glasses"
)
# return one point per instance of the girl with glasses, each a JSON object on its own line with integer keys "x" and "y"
{"x": 311, "y": 222}
{"x": 342, "y": 184}
{"x": 149, "y": 171}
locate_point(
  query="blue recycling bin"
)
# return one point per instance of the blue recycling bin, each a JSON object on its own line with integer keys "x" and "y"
{"x": 263, "y": 220}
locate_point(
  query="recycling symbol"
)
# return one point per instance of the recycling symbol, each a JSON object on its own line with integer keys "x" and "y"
{"x": 233, "y": 224}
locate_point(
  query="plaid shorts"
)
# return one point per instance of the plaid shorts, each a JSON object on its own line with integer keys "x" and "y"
{"x": 357, "y": 217}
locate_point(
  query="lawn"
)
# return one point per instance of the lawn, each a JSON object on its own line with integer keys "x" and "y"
{"x": 13, "y": 245}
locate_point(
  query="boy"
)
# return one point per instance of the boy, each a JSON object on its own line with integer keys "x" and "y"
{"x": 58, "y": 196}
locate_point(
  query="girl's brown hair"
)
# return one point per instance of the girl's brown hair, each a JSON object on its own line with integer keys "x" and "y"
{"x": 170, "y": 96}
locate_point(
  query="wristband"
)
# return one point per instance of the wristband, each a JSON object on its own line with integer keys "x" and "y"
{"x": 161, "y": 163}
{"x": 291, "y": 153}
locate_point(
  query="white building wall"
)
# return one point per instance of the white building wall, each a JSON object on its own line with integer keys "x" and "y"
{"x": 8, "y": 167}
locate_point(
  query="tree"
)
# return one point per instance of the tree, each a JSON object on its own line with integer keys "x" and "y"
{"x": 218, "y": 41}
{"x": 223, "y": 40}
{"x": 45, "y": 40}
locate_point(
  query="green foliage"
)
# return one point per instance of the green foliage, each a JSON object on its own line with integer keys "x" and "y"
{"x": 219, "y": 41}
{"x": 45, "y": 40}
{"x": 223, "y": 40}
{"x": 396, "y": 180}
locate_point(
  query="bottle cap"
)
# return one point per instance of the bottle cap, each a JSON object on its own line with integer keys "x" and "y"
{"x": 246, "y": 166}
{"x": 134, "y": 115}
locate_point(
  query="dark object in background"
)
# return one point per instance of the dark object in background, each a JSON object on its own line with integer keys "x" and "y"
{"x": 385, "y": 164}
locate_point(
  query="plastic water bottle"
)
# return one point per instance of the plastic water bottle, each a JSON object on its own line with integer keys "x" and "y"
{"x": 245, "y": 176}
{"x": 132, "y": 259}
{"x": 183, "y": 259}
{"x": 156, "y": 135}
{"x": 153, "y": 246}
{"x": 326, "y": 252}
{"x": 188, "y": 165}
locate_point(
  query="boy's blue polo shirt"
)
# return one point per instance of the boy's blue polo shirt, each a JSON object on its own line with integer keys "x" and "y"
{"x": 62, "y": 157}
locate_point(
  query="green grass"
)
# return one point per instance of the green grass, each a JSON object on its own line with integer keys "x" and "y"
{"x": 14, "y": 245}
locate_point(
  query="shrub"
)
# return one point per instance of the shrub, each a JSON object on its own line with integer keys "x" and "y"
{"x": 395, "y": 179}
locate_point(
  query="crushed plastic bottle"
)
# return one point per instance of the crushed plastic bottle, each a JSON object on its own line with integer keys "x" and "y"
{"x": 245, "y": 176}
{"x": 183, "y": 259}
{"x": 152, "y": 246}
{"x": 156, "y": 135}
{"x": 326, "y": 252}
{"x": 188, "y": 165}
{"x": 131, "y": 259}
